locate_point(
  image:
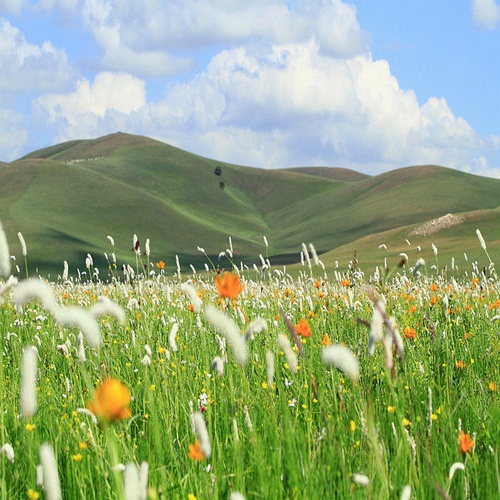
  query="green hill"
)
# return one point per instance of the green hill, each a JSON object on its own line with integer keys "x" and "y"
{"x": 67, "y": 198}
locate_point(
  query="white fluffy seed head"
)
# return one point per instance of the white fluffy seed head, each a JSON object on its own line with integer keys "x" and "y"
{"x": 342, "y": 358}
{"x": 51, "y": 482}
{"x": 131, "y": 482}
{"x": 192, "y": 295}
{"x": 34, "y": 288}
{"x": 406, "y": 493}
{"x": 456, "y": 466}
{"x": 106, "y": 307}
{"x": 75, "y": 316}
{"x": 9, "y": 452}
{"x": 481, "y": 239}
{"x": 4, "y": 254}
{"x": 172, "y": 335}
{"x": 270, "y": 368}
{"x": 202, "y": 433}
{"x": 225, "y": 325}
{"x": 28, "y": 398}
{"x": 291, "y": 357}
{"x": 360, "y": 479}
{"x": 256, "y": 326}
{"x": 23, "y": 244}
{"x": 218, "y": 366}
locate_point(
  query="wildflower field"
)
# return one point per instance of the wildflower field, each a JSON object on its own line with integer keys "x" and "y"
{"x": 250, "y": 383}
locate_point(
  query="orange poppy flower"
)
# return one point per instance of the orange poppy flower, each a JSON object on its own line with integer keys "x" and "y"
{"x": 303, "y": 328}
{"x": 111, "y": 401}
{"x": 229, "y": 286}
{"x": 326, "y": 340}
{"x": 195, "y": 452}
{"x": 160, "y": 265}
{"x": 410, "y": 333}
{"x": 345, "y": 282}
{"x": 465, "y": 443}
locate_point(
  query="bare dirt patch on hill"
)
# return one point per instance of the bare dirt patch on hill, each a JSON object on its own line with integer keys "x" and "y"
{"x": 436, "y": 225}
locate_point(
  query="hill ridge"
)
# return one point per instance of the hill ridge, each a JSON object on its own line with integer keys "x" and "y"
{"x": 123, "y": 184}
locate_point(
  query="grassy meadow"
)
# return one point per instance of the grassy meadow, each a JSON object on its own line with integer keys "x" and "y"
{"x": 67, "y": 198}
{"x": 421, "y": 419}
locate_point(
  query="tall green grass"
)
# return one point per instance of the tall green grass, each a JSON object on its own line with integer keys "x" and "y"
{"x": 308, "y": 435}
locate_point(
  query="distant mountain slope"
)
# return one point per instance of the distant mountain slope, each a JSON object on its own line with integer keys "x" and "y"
{"x": 333, "y": 173}
{"x": 67, "y": 198}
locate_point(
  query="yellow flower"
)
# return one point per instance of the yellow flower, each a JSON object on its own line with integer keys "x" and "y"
{"x": 82, "y": 445}
{"x": 29, "y": 427}
{"x": 406, "y": 422}
{"x": 352, "y": 425}
{"x": 111, "y": 401}
{"x": 33, "y": 495}
{"x": 77, "y": 457}
{"x": 264, "y": 385}
{"x": 191, "y": 497}
{"x": 326, "y": 340}
{"x": 391, "y": 409}
{"x": 492, "y": 386}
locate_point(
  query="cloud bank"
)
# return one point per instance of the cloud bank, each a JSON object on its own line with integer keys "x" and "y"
{"x": 266, "y": 83}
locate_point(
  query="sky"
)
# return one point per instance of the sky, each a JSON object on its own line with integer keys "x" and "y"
{"x": 368, "y": 85}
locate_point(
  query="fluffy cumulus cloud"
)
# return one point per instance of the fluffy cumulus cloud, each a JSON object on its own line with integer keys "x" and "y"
{"x": 142, "y": 37}
{"x": 486, "y": 13}
{"x": 92, "y": 107}
{"x": 296, "y": 105}
{"x": 269, "y": 83}
{"x": 25, "y": 66}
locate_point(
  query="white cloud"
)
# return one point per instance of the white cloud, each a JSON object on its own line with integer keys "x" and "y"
{"x": 143, "y": 37}
{"x": 24, "y": 66}
{"x": 11, "y": 6}
{"x": 13, "y": 135}
{"x": 291, "y": 105}
{"x": 296, "y": 85}
{"x": 89, "y": 102}
{"x": 299, "y": 106}
{"x": 486, "y": 13}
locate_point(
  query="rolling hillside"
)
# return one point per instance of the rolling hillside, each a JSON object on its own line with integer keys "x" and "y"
{"x": 67, "y": 198}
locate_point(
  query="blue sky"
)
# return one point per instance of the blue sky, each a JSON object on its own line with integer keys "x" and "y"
{"x": 366, "y": 85}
